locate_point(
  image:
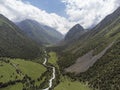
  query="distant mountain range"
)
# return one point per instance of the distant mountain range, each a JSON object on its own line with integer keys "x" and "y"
{"x": 42, "y": 34}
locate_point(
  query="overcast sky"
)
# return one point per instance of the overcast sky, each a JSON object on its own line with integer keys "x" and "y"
{"x": 59, "y": 14}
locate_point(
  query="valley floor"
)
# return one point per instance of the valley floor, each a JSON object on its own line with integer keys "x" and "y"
{"x": 31, "y": 74}
{"x": 67, "y": 84}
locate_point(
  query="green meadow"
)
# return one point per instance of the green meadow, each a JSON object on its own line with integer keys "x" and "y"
{"x": 18, "y": 69}
{"x": 33, "y": 70}
{"x": 53, "y": 59}
{"x": 67, "y": 84}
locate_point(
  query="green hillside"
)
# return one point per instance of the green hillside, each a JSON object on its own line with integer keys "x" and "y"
{"x": 88, "y": 42}
{"x": 13, "y": 43}
{"x": 104, "y": 74}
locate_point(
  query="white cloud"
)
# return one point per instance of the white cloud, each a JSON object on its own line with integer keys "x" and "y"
{"x": 85, "y": 12}
{"x": 89, "y": 12}
{"x": 17, "y": 10}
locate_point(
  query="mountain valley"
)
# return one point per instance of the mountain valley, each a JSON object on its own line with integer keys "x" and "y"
{"x": 34, "y": 56}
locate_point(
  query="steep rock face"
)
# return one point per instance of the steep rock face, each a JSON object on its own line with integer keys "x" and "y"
{"x": 40, "y": 33}
{"x": 13, "y": 43}
{"x": 74, "y": 33}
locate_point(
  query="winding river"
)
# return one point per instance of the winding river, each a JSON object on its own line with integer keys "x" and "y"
{"x": 53, "y": 75}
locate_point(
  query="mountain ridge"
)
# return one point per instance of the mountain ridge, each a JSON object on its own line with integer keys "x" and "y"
{"x": 40, "y": 33}
{"x": 73, "y": 34}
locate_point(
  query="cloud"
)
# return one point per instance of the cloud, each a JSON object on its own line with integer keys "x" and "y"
{"x": 85, "y": 12}
{"x": 89, "y": 12}
{"x": 17, "y": 10}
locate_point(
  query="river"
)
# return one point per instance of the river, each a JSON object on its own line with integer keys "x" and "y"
{"x": 52, "y": 77}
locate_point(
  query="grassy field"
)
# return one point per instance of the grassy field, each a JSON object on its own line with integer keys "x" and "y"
{"x": 67, "y": 84}
{"x": 53, "y": 59}
{"x": 8, "y": 72}
{"x": 33, "y": 70}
